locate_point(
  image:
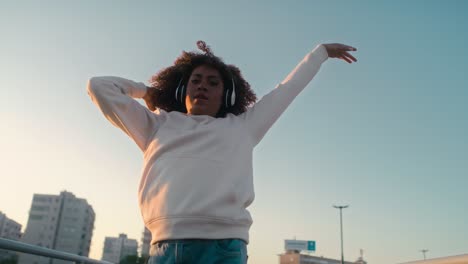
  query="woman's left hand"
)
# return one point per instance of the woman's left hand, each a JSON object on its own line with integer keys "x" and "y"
{"x": 340, "y": 51}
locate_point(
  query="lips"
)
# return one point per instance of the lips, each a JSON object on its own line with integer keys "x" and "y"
{"x": 201, "y": 96}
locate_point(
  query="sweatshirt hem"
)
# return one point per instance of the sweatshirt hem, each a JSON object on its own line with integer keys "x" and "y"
{"x": 190, "y": 227}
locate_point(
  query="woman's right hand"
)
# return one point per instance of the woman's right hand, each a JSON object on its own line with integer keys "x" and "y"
{"x": 150, "y": 92}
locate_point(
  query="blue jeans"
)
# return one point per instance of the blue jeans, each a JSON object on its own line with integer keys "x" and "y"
{"x": 194, "y": 251}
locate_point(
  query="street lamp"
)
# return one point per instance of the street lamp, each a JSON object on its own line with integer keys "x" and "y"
{"x": 424, "y": 252}
{"x": 341, "y": 224}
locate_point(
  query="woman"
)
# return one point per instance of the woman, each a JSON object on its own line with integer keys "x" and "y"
{"x": 197, "y": 139}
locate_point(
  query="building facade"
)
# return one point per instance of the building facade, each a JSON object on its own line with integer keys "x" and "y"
{"x": 117, "y": 248}
{"x": 61, "y": 222}
{"x": 9, "y": 229}
{"x": 458, "y": 259}
{"x": 295, "y": 257}
{"x": 145, "y": 243}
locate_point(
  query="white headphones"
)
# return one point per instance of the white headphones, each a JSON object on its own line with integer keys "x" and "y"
{"x": 229, "y": 94}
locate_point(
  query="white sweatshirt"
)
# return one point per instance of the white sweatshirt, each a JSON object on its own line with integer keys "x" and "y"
{"x": 197, "y": 173}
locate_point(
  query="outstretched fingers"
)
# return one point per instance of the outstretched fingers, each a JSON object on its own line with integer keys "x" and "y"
{"x": 341, "y": 51}
{"x": 347, "y": 57}
{"x": 350, "y": 56}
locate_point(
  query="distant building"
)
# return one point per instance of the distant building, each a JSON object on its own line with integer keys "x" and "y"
{"x": 9, "y": 229}
{"x": 295, "y": 257}
{"x": 117, "y": 248}
{"x": 459, "y": 259}
{"x": 145, "y": 243}
{"x": 62, "y": 222}
{"x": 293, "y": 249}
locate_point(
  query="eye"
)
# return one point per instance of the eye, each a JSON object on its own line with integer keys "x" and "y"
{"x": 214, "y": 83}
{"x": 195, "y": 81}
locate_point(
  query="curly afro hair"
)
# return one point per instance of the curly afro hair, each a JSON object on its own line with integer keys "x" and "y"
{"x": 164, "y": 83}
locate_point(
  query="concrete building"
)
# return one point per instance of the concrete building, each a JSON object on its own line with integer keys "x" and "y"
{"x": 459, "y": 259}
{"x": 145, "y": 243}
{"x": 293, "y": 249}
{"x": 9, "y": 229}
{"x": 62, "y": 222}
{"x": 117, "y": 248}
{"x": 295, "y": 257}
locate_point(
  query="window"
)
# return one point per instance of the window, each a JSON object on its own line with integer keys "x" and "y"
{"x": 40, "y": 199}
{"x": 40, "y": 208}
{"x": 35, "y": 217}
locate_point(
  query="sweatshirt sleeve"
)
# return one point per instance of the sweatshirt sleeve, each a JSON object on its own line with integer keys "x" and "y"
{"x": 261, "y": 116}
{"x": 114, "y": 97}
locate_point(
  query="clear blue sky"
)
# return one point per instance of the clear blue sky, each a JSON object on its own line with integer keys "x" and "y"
{"x": 387, "y": 135}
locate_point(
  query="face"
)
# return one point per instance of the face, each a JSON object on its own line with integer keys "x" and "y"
{"x": 204, "y": 91}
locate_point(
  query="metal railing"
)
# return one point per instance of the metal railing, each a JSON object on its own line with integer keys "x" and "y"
{"x": 13, "y": 245}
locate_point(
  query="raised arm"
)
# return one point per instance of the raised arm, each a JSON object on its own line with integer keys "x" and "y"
{"x": 265, "y": 112}
{"x": 114, "y": 97}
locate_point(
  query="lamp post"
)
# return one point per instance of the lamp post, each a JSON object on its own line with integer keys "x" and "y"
{"x": 341, "y": 207}
{"x": 424, "y": 252}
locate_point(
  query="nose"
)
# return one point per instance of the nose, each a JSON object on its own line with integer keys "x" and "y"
{"x": 202, "y": 87}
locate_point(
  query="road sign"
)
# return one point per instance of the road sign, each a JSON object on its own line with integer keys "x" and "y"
{"x": 299, "y": 245}
{"x": 311, "y": 245}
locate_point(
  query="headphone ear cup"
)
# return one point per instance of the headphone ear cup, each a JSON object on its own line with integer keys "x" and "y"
{"x": 177, "y": 94}
{"x": 230, "y": 95}
{"x": 179, "y": 91}
{"x": 226, "y": 99}
{"x": 233, "y": 96}
{"x": 233, "y": 92}
{"x": 183, "y": 92}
